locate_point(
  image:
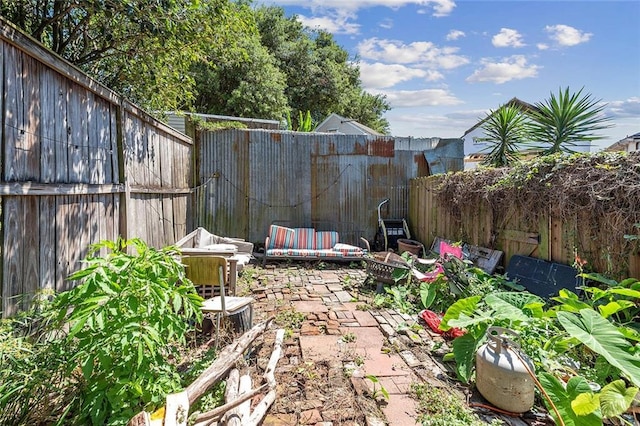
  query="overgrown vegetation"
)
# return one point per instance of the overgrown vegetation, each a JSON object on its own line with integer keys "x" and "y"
{"x": 599, "y": 189}
{"x": 105, "y": 350}
{"x": 437, "y": 407}
{"x": 585, "y": 349}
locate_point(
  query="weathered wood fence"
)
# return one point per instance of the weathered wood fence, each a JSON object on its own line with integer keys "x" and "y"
{"x": 552, "y": 239}
{"x": 79, "y": 164}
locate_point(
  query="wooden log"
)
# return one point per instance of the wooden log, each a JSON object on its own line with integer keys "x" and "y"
{"x": 232, "y": 391}
{"x": 269, "y": 372}
{"x": 225, "y": 361}
{"x": 244, "y": 409}
{"x": 261, "y": 408}
{"x": 209, "y": 417}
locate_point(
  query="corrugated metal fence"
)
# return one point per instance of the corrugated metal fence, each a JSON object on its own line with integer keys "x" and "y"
{"x": 552, "y": 239}
{"x": 251, "y": 178}
{"x": 79, "y": 165}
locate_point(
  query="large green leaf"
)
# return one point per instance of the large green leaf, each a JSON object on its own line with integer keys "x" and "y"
{"x": 465, "y": 306}
{"x": 616, "y": 398}
{"x": 464, "y": 351}
{"x": 505, "y": 309}
{"x": 602, "y": 337}
{"x": 563, "y": 397}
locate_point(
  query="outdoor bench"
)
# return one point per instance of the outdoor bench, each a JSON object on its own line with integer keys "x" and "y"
{"x": 307, "y": 244}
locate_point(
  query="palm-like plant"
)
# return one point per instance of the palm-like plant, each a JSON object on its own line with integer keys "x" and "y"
{"x": 563, "y": 123}
{"x": 504, "y": 129}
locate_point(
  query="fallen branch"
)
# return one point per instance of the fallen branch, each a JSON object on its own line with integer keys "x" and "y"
{"x": 261, "y": 408}
{"x": 224, "y": 362}
{"x": 178, "y": 404}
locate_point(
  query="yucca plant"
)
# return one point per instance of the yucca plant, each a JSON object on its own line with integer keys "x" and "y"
{"x": 566, "y": 121}
{"x": 504, "y": 129}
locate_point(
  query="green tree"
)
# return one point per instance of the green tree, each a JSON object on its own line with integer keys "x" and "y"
{"x": 368, "y": 109}
{"x": 140, "y": 48}
{"x": 320, "y": 77}
{"x": 243, "y": 81}
{"x": 504, "y": 129}
{"x": 564, "y": 122}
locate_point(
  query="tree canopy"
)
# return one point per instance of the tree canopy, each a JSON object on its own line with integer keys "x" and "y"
{"x": 213, "y": 56}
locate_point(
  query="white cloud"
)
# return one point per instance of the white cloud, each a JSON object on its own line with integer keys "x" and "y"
{"x": 565, "y": 35}
{"x": 512, "y": 68}
{"x": 336, "y": 24}
{"x": 626, "y": 108}
{"x": 418, "y": 98}
{"x": 387, "y": 24}
{"x": 439, "y": 7}
{"x": 379, "y": 76}
{"x": 455, "y": 34}
{"x": 542, "y": 46}
{"x": 507, "y": 38}
{"x": 420, "y": 52}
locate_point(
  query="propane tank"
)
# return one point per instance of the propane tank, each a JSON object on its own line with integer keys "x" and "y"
{"x": 501, "y": 375}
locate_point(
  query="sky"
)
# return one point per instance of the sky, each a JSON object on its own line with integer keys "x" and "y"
{"x": 444, "y": 64}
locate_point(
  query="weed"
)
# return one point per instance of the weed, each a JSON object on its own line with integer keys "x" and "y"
{"x": 363, "y": 307}
{"x": 349, "y": 337}
{"x": 377, "y": 392}
{"x": 290, "y": 319}
{"x": 437, "y": 407}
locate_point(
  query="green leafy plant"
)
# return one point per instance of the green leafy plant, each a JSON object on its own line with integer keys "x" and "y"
{"x": 377, "y": 391}
{"x": 602, "y": 337}
{"x": 563, "y": 122}
{"x": 126, "y": 317}
{"x": 504, "y": 130}
{"x": 437, "y": 407}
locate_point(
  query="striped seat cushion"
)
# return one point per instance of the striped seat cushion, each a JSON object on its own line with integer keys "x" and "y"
{"x": 326, "y": 239}
{"x": 348, "y": 250}
{"x": 305, "y": 238}
{"x": 280, "y": 237}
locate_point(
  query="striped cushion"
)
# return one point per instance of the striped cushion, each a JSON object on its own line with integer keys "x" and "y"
{"x": 326, "y": 239}
{"x": 280, "y": 237}
{"x": 305, "y": 238}
{"x": 348, "y": 250}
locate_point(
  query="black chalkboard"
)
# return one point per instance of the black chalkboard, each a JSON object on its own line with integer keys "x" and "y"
{"x": 541, "y": 277}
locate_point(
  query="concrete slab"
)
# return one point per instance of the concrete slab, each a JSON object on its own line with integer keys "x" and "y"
{"x": 368, "y": 345}
{"x": 321, "y": 348}
{"x": 400, "y": 411}
{"x": 365, "y": 319}
{"x": 344, "y": 296}
{"x": 309, "y": 306}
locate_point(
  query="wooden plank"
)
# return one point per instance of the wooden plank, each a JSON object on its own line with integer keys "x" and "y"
{"x": 32, "y": 125}
{"x": 31, "y": 240}
{"x": 42, "y": 189}
{"x": 14, "y": 102}
{"x": 47, "y": 255}
{"x": 521, "y": 236}
{"x": 12, "y": 283}
{"x": 62, "y": 148}
{"x": 49, "y": 138}
{"x": 62, "y": 244}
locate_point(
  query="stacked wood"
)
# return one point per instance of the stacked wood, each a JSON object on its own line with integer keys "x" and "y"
{"x": 239, "y": 392}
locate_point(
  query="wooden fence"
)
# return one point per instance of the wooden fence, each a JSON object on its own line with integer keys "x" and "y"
{"x": 79, "y": 164}
{"x": 551, "y": 239}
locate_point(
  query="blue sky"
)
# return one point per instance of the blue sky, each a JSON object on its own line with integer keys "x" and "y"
{"x": 443, "y": 64}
